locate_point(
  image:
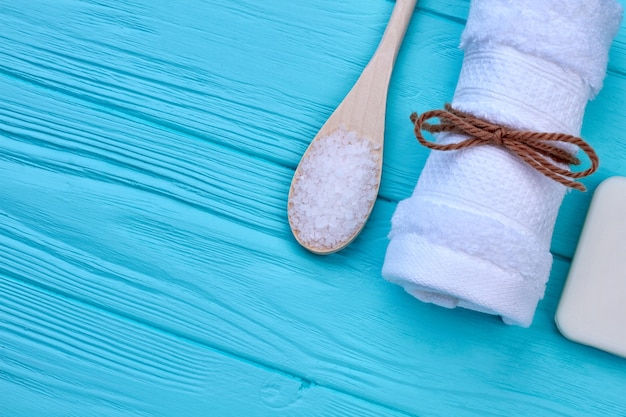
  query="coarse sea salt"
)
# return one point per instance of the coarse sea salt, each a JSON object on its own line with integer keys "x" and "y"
{"x": 336, "y": 186}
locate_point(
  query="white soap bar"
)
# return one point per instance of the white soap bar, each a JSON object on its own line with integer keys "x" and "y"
{"x": 592, "y": 309}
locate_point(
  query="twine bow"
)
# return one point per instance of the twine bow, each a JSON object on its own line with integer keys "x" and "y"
{"x": 537, "y": 149}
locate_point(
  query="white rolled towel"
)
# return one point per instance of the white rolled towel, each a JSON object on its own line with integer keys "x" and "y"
{"x": 476, "y": 231}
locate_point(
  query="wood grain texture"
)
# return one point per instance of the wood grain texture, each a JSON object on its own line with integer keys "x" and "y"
{"x": 63, "y": 358}
{"x": 146, "y": 265}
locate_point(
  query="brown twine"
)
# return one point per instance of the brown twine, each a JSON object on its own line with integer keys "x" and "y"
{"x": 534, "y": 148}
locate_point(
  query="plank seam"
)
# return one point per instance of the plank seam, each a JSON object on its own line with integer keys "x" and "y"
{"x": 440, "y": 15}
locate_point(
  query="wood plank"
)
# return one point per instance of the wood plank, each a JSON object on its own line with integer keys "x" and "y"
{"x": 60, "y": 357}
{"x": 190, "y": 237}
{"x": 182, "y": 88}
{"x": 174, "y": 69}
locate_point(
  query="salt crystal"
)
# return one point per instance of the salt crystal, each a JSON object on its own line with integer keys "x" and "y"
{"x": 335, "y": 190}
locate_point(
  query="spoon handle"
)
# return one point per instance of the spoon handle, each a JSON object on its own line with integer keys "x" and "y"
{"x": 389, "y": 46}
{"x": 363, "y": 109}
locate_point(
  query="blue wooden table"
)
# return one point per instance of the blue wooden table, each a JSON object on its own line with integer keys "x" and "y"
{"x": 146, "y": 263}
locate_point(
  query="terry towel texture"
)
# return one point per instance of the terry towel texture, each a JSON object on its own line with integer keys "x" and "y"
{"x": 476, "y": 231}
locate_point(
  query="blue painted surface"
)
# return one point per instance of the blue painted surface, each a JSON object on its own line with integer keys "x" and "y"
{"x": 146, "y": 265}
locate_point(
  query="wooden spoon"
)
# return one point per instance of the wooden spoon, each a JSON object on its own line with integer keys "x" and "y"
{"x": 328, "y": 206}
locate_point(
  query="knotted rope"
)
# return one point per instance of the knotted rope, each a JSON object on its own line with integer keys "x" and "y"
{"x": 537, "y": 149}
